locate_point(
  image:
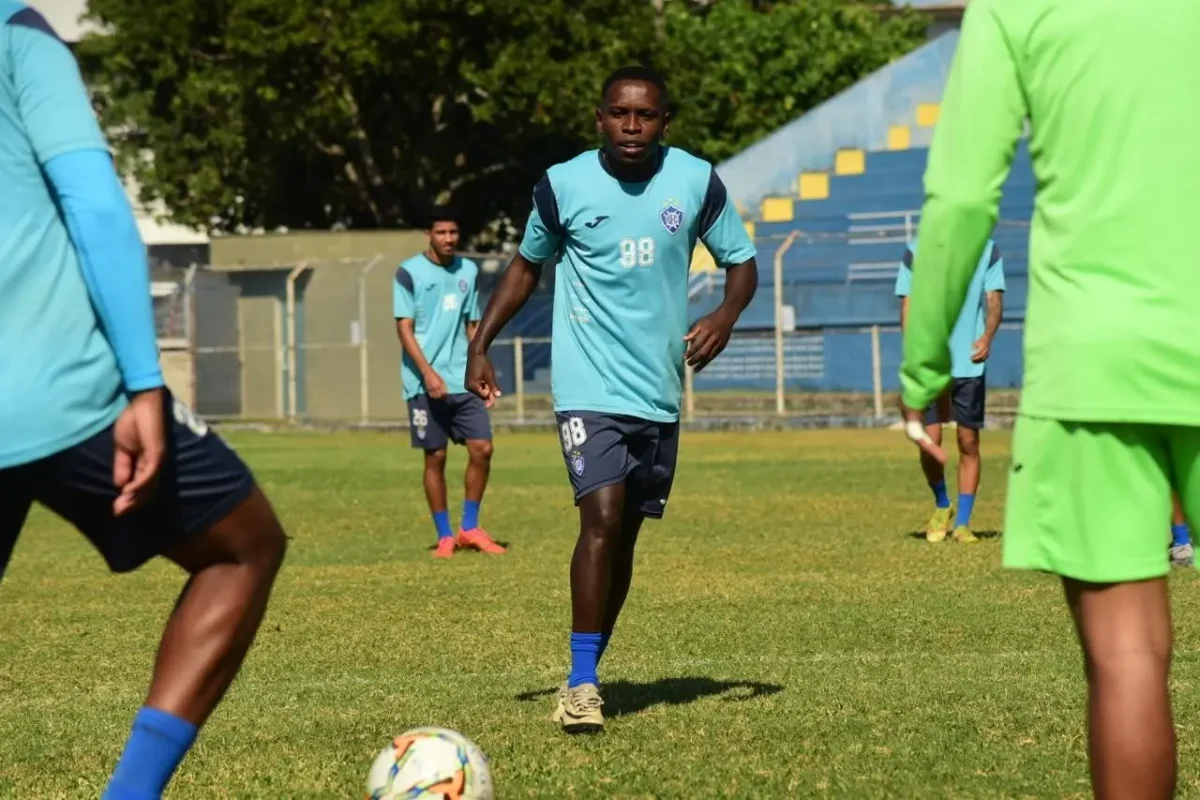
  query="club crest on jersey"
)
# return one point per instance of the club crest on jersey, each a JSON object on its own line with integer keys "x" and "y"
{"x": 671, "y": 216}
{"x": 577, "y": 463}
{"x": 462, "y": 286}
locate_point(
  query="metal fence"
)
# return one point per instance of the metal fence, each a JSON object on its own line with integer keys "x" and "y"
{"x": 317, "y": 341}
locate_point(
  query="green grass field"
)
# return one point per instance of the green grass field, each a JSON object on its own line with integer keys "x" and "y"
{"x": 786, "y": 636}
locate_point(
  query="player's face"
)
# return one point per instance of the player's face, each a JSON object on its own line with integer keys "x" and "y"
{"x": 443, "y": 239}
{"x": 632, "y": 121}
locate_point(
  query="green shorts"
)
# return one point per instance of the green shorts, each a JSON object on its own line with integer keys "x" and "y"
{"x": 1092, "y": 501}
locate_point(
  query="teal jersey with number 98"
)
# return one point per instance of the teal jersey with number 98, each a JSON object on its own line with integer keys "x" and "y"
{"x": 621, "y": 290}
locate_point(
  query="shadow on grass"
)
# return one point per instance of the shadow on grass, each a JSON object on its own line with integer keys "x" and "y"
{"x": 978, "y": 535}
{"x": 627, "y": 697}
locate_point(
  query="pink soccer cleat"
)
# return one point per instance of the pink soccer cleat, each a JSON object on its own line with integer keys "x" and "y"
{"x": 479, "y": 539}
{"x": 445, "y": 547}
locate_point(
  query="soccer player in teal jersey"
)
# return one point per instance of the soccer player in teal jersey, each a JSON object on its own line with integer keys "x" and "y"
{"x": 623, "y": 221}
{"x": 1109, "y": 425}
{"x": 436, "y": 304}
{"x": 965, "y": 399}
{"x": 87, "y": 427}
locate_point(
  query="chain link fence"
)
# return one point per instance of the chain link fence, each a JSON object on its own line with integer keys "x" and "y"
{"x": 317, "y": 342}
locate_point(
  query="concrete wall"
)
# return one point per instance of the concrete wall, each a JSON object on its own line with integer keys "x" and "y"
{"x": 331, "y": 357}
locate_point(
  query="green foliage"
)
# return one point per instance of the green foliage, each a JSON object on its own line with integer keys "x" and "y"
{"x": 738, "y": 73}
{"x": 316, "y": 113}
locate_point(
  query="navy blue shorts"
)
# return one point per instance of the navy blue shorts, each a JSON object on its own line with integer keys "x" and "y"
{"x": 965, "y": 402}
{"x": 201, "y": 482}
{"x": 605, "y": 449}
{"x": 455, "y": 418}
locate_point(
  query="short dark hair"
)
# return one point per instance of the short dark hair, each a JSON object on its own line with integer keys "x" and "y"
{"x": 440, "y": 213}
{"x": 637, "y": 72}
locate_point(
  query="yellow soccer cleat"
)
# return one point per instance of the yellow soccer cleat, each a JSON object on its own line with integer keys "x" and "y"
{"x": 581, "y": 710}
{"x": 963, "y": 535}
{"x": 939, "y": 525}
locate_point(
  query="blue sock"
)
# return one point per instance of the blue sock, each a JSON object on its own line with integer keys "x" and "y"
{"x": 585, "y": 655}
{"x": 604, "y": 637}
{"x": 470, "y": 515}
{"x": 966, "y": 504}
{"x": 441, "y": 521}
{"x": 158, "y": 743}
{"x": 939, "y": 494}
{"x": 1180, "y": 535}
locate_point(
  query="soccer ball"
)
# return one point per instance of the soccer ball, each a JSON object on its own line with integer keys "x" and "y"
{"x": 430, "y": 763}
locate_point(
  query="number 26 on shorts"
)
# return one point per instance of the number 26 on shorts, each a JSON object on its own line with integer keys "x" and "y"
{"x": 573, "y": 433}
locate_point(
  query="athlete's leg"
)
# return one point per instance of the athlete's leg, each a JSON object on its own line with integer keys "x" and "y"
{"x": 935, "y": 474}
{"x": 622, "y": 569}
{"x": 968, "y": 481}
{"x": 1183, "y": 554}
{"x": 601, "y": 518}
{"x": 479, "y": 466}
{"x": 232, "y": 567}
{"x": 969, "y": 462}
{"x": 1125, "y": 632}
{"x": 435, "y": 480}
{"x": 470, "y": 425}
{"x": 1083, "y": 503}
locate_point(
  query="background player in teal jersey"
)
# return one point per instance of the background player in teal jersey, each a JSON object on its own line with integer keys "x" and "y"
{"x": 1109, "y": 426}
{"x": 623, "y": 221}
{"x": 965, "y": 400}
{"x": 86, "y": 425}
{"x": 437, "y": 310}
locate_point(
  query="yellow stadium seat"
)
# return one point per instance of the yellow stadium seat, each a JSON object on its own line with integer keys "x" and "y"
{"x": 702, "y": 260}
{"x": 814, "y": 185}
{"x": 899, "y": 137}
{"x": 927, "y": 114}
{"x": 850, "y": 162}
{"x": 778, "y": 209}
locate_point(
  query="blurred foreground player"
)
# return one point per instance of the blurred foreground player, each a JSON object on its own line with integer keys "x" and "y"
{"x": 86, "y": 426}
{"x": 1109, "y": 422}
{"x": 624, "y": 220}
{"x": 436, "y": 304}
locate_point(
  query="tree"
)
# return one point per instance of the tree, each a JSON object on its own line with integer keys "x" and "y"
{"x": 319, "y": 113}
{"x": 313, "y": 113}
{"x": 746, "y": 68}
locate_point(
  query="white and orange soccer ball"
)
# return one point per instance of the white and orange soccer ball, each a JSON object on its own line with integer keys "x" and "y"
{"x": 430, "y": 763}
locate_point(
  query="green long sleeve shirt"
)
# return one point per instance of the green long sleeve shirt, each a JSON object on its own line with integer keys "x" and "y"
{"x": 1111, "y": 89}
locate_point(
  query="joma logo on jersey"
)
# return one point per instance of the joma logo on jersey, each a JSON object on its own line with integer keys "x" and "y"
{"x": 671, "y": 216}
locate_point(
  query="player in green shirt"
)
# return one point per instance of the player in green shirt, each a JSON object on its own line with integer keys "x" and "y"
{"x": 1110, "y": 413}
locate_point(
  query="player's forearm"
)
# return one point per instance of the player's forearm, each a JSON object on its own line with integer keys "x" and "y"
{"x": 112, "y": 259}
{"x": 412, "y": 348}
{"x": 741, "y": 282}
{"x": 995, "y": 313}
{"x": 512, "y": 292}
{"x": 903, "y": 314}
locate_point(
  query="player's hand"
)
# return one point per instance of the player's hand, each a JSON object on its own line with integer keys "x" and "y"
{"x": 708, "y": 338}
{"x": 481, "y": 378}
{"x": 981, "y": 350}
{"x": 435, "y": 387}
{"x": 140, "y": 444}
{"x": 914, "y": 429}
